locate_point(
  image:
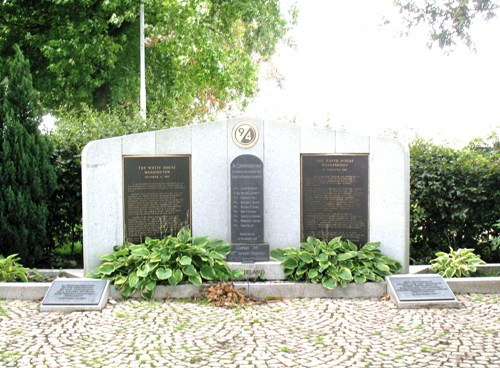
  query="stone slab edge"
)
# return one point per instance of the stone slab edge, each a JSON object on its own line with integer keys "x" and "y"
{"x": 23, "y": 290}
{"x": 266, "y": 290}
{"x": 37, "y": 290}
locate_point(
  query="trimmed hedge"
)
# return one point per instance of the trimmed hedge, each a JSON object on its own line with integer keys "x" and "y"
{"x": 455, "y": 199}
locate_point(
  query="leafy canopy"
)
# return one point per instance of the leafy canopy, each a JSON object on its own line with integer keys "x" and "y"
{"x": 201, "y": 54}
{"x": 448, "y": 21}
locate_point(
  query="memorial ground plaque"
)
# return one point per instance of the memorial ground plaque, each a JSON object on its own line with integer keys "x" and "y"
{"x": 247, "y": 210}
{"x": 157, "y": 196}
{"x": 334, "y": 197}
{"x": 75, "y": 294}
{"x": 421, "y": 290}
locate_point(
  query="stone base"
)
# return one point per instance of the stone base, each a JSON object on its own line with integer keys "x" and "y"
{"x": 249, "y": 253}
{"x": 259, "y": 271}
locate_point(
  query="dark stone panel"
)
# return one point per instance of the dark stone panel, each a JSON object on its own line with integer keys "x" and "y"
{"x": 156, "y": 196}
{"x": 249, "y": 253}
{"x": 334, "y": 197}
{"x": 247, "y": 200}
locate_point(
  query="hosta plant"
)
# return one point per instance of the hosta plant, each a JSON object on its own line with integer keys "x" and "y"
{"x": 169, "y": 261}
{"x": 335, "y": 263}
{"x": 459, "y": 263}
{"x": 11, "y": 270}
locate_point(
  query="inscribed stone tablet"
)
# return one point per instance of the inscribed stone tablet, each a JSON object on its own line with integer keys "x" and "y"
{"x": 249, "y": 253}
{"x": 421, "y": 288}
{"x": 247, "y": 200}
{"x": 75, "y": 292}
{"x": 157, "y": 196}
{"x": 334, "y": 197}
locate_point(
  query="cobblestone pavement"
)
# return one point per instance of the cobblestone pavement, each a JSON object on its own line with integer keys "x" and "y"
{"x": 288, "y": 333}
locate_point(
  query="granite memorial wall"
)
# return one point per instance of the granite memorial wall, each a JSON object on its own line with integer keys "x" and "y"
{"x": 258, "y": 185}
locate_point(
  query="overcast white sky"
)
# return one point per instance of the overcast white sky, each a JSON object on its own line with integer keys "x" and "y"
{"x": 350, "y": 72}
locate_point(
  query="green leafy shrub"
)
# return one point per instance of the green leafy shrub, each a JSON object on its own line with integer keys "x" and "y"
{"x": 335, "y": 263}
{"x": 455, "y": 197}
{"x": 459, "y": 263}
{"x": 172, "y": 260}
{"x": 11, "y": 270}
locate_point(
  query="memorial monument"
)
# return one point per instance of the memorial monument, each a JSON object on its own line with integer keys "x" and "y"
{"x": 255, "y": 184}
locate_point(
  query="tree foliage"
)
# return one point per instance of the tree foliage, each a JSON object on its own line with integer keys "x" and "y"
{"x": 448, "y": 20}
{"x": 27, "y": 177}
{"x": 455, "y": 199}
{"x": 201, "y": 54}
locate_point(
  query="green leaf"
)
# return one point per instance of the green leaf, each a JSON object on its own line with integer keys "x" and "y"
{"x": 195, "y": 279}
{"x": 150, "y": 285}
{"x": 222, "y": 249}
{"x": 126, "y": 291}
{"x": 142, "y": 252}
{"x": 371, "y": 246}
{"x": 207, "y": 273}
{"x": 133, "y": 280}
{"x": 163, "y": 273}
{"x": 305, "y": 257}
{"x": 107, "y": 268}
{"x": 121, "y": 253}
{"x": 184, "y": 235}
{"x": 189, "y": 270}
{"x": 108, "y": 257}
{"x": 237, "y": 273}
{"x": 322, "y": 257}
{"x": 144, "y": 270}
{"x": 290, "y": 263}
{"x": 185, "y": 261}
{"x": 335, "y": 243}
{"x": 323, "y": 265}
{"x": 308, "y": 247}
{"x": 351, "y": 246}
{"x": 312, "y": 274}
{"x": 329, "y": 283}
{"x": 345, "y": 274}
{"x": 277, "y": 254}
{"x": 200, "y": 241}
{"x": 120, "y": 280}
{"x": 302, "y": 270}
{"x": 347, "y": 255}
{"x": 360, "y": 278}
{"x": 449, "y": 272}
{"x": 176, "y": 277}
{"x": 383, "y": 267}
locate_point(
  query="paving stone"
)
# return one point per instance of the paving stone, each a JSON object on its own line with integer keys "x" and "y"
{"x": 289, "y": 333}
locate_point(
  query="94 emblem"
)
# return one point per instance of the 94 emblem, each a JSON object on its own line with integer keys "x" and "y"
{"x": 245, "y": 135}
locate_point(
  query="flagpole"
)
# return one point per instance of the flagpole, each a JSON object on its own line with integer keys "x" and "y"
{"x": 143, "y": 65}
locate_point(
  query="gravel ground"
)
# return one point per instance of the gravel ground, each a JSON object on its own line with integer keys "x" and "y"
{"x": 286, "y": 333}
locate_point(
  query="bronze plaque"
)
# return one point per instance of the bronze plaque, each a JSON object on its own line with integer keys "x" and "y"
{"x": 334, "y": 197}
{"x": 157, "y": 196}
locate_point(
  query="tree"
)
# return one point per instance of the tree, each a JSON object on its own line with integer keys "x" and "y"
{"x": 27, "y": 177}
{"x": 201, "y": 54}
{"x": 448, "y": 20}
